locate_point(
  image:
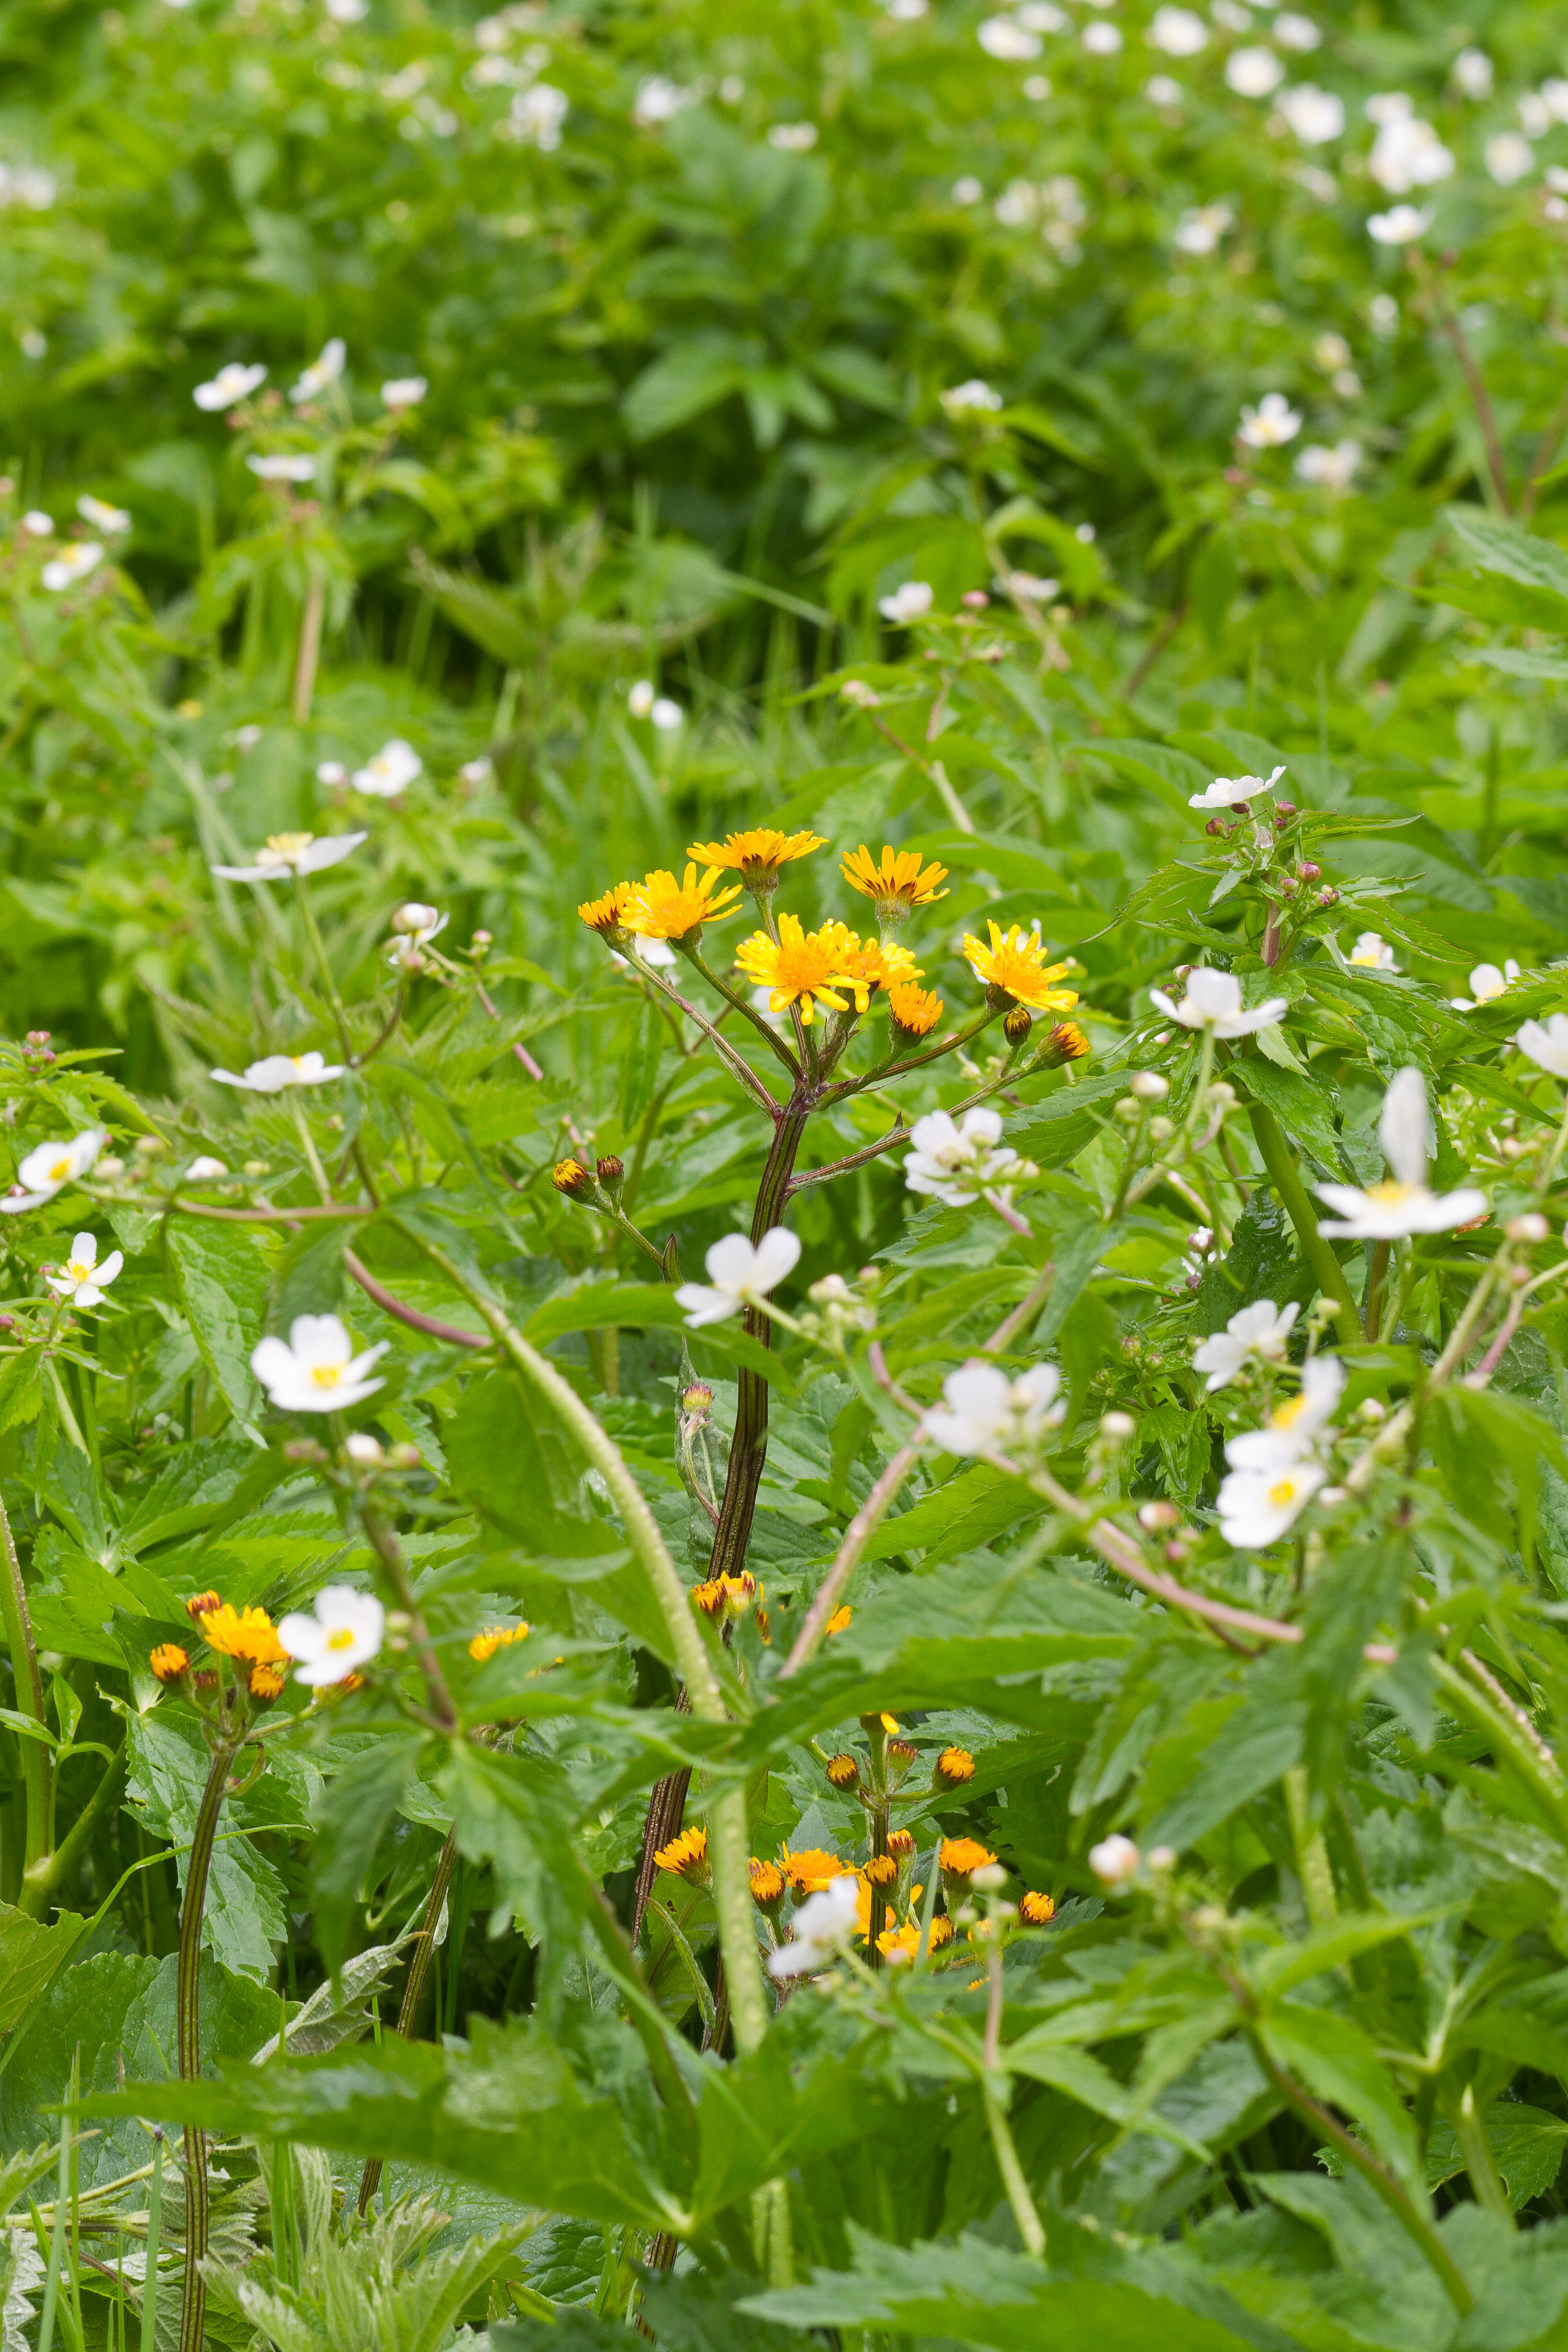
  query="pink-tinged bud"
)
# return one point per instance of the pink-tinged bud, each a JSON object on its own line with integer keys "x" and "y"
{"x": 1328, "y": 895}
{"x": 1241, "y": 808}
{"x": 1309, "y": 872}
{"x": 1214, "y": 825}
{"x": 977, "y": 599}
{"x": 1283, "y": 811}
{"x": 1289, "y": 885}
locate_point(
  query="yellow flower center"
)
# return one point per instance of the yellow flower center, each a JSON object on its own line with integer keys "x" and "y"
{"x": 1390, "y": 1191}
{"x": 326, "y": 1376}
{"x": 285, "y": 846}
{"x": 1283, "y": 1415}
{"x": 1282, "y": 1491}
{"x": 78, "y": 1269}
{"x": 59, "y": 1169}
{"x": 342, "y": 1640}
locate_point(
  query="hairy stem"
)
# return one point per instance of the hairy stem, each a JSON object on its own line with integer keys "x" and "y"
{"x": 193, "y": 2310}
{"x": 36, "y": 1762}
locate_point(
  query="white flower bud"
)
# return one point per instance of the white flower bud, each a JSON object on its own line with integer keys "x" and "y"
{"x": 1530, "y": 1227}
{"x": 1114, "y": 1861}
{"x": 989, "y": 1879}
{"x": 1116, "y": 1428}
{"x": 1150, "y": 1086}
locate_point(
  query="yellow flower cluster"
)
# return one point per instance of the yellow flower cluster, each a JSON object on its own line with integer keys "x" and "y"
{"x": 495, "y": 1637}
{"x": 247, "y": 1635}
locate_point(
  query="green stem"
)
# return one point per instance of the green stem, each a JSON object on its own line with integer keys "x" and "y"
{"x": 42, "y": 1878}
{"x": 317, "y": 949}
{"x": 308, "y": 1144}
{"x": 384, "y": 1543}
{"x": 154, "y": 2235}
{"x": 413, "y": 1986}
{"x": 1299, "y": 1208}
{"x": 728, "y": 1837}
{"x": 1470, "y": 2131}
{"x": 198, "y": 2215}
{"x": 61, "y": 2214}
{"x": 1312, "y": 1866}
{"x": 1510, "y": 1745}
{"x": 1012, "y": 2172}
{"x": 35, "y": 1759}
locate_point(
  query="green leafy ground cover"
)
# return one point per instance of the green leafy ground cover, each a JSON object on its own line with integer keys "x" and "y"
{"x": 879, "y": 1798}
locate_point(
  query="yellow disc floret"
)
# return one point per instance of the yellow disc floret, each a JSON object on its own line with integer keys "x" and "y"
{"x": 879, "y": 966}
{"x": 915, "y": 1011}
{"x": 247, "y": 1633}
{"x": 168, "y": 1662}
{"x": 660, "y": 907}
{"x": 685, "y": 1857}
{"x": 1015, "y": 966}
{"x": 755, "y": 855}
{"x": 609, "y": 914}
{"x": 803, "y": 968}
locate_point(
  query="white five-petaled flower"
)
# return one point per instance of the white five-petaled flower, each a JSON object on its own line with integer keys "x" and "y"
{"x": 1004, "y": 37}
{"x": 393, "y": 768}
{"x": 1401, "y": 225}
{"x": 1225, "y": 791}
{"x": 1258, "y": 1507}
{"x": 641, "y": 698}
{"x": 1329, "y": 468}
{"x": 1114, "y": 1862}
{"x": 233, "y": 383}
{"x": 1486, "y": 981}
{"x": 72, "y": 564}
{"x": 1201, "y": 227}
{"x": 911, "y": 603}
{"x": 820, "y": 1930}
{"x": 1510, "y": 158}
{"x": 1254, "y": 72}
{"x": 321, "y": 372}
{"x": 1296, "y": 32}
{"x": 51, "y": 1165}
{"x": 739, "y": 1275}
{"x": 1404, "y": 1203}
{"x": 1473, "y": 73}
{"x": 416, "y": 925}
{"x": 1546, "y": 1043}
{"x": 284, "y": 854}
{"x": 315, "y": 1369}
{"x": 205, "y": 1170}
{"x": 986, "y": 1412}
{"x": 965, "y": 1161}
{"x": 974, "y": 394}
{"x": 1372, "y": 953}
{"x": 1315, "y": 115}
{"x": 37, "y": 524}
{"x": 1270, "y": 424}
{"x": 345, "y": 1633}
{"x": 1212, "y": 1001}
{"x": 112, "y": 521}
{"x": 1292, "y": 1430}
{"x": 81, "y": 1281}
{"x": 1262, "y": 1329}
{"x": 284, "y": 466}
{"x": 276, "y": 1072}
{"x": 1180, "y": 32}
{"x": 404, "y": 392}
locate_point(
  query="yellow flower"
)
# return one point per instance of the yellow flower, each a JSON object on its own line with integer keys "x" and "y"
{"x": 843, "y": 1770}
{"x": 803, "y": 968}
{"x": 200, "y": 1604}
{"x": 570, "y": 1176}
{"x": 266, "y": 1682}
{"x": 495, "y": 1637}
{"x": 901, "y": 1943}
{"x": 660, "y": 907}
{"x": 1015, "y": 966}
{"x": 1039, "y": 1910}
{"x": 685, "y": 1857}
{"x": 755, "y": 855}
{"x": 897, "y": 881}
{"x": 725, "y": 1596}
{"x": 247, "y": 1633}
{"x": 608, "y": 916}
{"x": 915, "y": 1011}
{"x": 876, "y": 966}
{"x": 168, "y": 1662}
{"x": 813, "y": 1868}
{"x": 880, "y": 1871}
{"x": 767, "y": 1885}
{"x": 960, "y": 1857}
{"x": 901, "y": 1845}
{"x": 1067, "y": 1042}
{"x": 839, "y": 1619}
{"x": 954, "y": 1766}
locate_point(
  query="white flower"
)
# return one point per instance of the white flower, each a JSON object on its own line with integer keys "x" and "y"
{"x": 1257, "y": 1507}
{"x": 1555, "y": 97}
{"x": 292, "y": 853}
{"x": 321, "y": 372}
{"x": 1253, "y": 73}
{"x": 1546, "y": 1046}
{"x": 1258, "y": 1331}
{"x": 660, "y": 956}
{"x": 658, "y": 100}
{"x": 911, "y": 603}
{"x": 666, "y": 715}
{"x": 1329, "y": 468}
{"x": 1028, "y": 588}
{"x": 1234, "y": 18}
{"x": 205, "y": 1170}
{"x": 1180, "y": 32}
{"x": 477, "y": 771}
{"x": 1225, "y": 791}
{"x": 37, "y": 524}
{"x": 1534, "y": 114}
{"x": 1330, "y": 350}
{"x": 740, "y": 1276}
{"x": 1102, "y": 40}
{"x": 1401, "y": 225}
{"x": 794, "y": 138}
{"x": 1292, "y": 1430}
{"x": 404, "y": 392}
{"x": 1486, "y": 982}
{"x": 1212, "y": 1001}
{"x": 968, "y": 191}
{"x": 1270, "y": 423}
{"x": 986, "y": 1412}
{"x": 231, "y": 384}
{"x": 347, "y": 1629}
{"x": 1295, "y": 32}
{"x": 821, "y": 1930}
{"x": 81, "y": 1281}
{"x": 415, "y": 921}
{"x": 111, "y": 520}
{"x": 963, "y": 1162}
{"x": 1161, "y": 90}
{"x": 1509, "y": 158}
{"x": 315, "y": 1369}
{"x": 960, "y": 399}
{"x": 348, "y": 12}
{"x": 276, "y": 1072}
{"x": 1372, "y": 952}
{"x": 50, "y": 1165}
{"x": 287, "y": 465}
{"x": 1114, "y": 1862}
{"x": 1407, "y": 153}
{"x": 1473, "y": 73}
{"x": 1000, "y": 37}
{"x": 1314, "y": 115}
{"x": 640, "y": 700}
{"x": 537, "y": 115}
{"x": 1404, "y": 1204}
{"x": 72, "y": 564}
{"x": 393, "y": 768}
{"x": 1044, "y": 16}
{"x": 1201, "y": 227}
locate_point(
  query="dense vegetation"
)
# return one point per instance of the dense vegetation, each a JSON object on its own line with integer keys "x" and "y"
{"x": 783, "y": 1442}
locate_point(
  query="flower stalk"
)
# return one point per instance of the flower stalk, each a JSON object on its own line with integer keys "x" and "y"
{"x": 187, "y": 2026}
